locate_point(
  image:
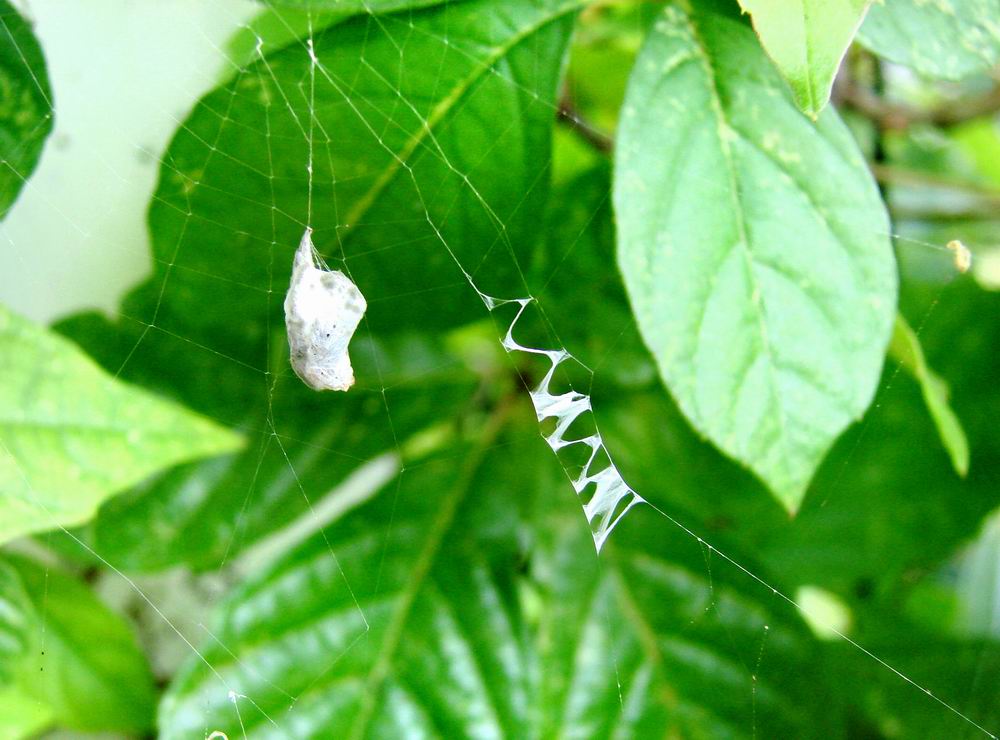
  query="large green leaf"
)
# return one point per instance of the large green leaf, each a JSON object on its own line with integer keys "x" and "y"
{"x": 214, "y": 301}
{"x": 862, "y": 532}
{"x": 24, "y": 716}
{"x": 431, "y": 133}
{"x": 76, "y": 658}
{"x": 807, "y": 39}
{"x": 765, "y": 292}
{"x": 885, "y": 506}
{"x": 486, "y": 614}
{"x": 71, "y": 435}
{"x": 949, "y": 40}
{"x": 301, "y": 444}
{"x": 25, "y": 103}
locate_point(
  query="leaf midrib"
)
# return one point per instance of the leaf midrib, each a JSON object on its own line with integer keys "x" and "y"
{"x": 702, "y": 52}
{"x": 807, "y": 39}
{"x": 425, "y": 560}
{"x": 445, "y": 106}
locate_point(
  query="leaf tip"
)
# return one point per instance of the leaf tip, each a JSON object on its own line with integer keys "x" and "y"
{"x": 810, "y": 104}
{"x": 960, "y": 461}
{"x": 789, "y": 493}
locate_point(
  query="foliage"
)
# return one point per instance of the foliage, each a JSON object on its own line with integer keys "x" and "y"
{"x": 469, "y": 634}
{"x": 770, "y": 347}
{"x": 779, "y": 352}
{"x": 75, "y": 658}
{"x": 905, "y": 347}
{"x": 807, "y": 40}
{"x": 948, "y": 40}
{"x": 25, "y": 104}
{"x": 72, "y": 435}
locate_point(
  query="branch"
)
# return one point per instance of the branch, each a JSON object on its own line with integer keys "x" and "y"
{"x": 894, "y": 116}
{"x": 900, "y": 213}
{"x": 984, "y": 203}
{"x": 889, "y": 175}
{"x": 597, "y": 139}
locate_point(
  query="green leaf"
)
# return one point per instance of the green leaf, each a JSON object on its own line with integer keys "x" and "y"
{"x": 861, "y": 533}
{"x": 358, "y": 6}
{"x": 905, "y": 348}
{"x": 766, "y": 291}
{"x": 25, "y": 104}
{"x": 947, "y": 40}
{"x": 301, "y": 444}
{"x": 275, "y": 27}
{"x": 960, "y": 677}
{"x": 78, "y": 659}
{"x": 217, "y": 339}
{"x": 71, "y": 435}
{"x": 432, "y": 133}
{"x": 979, "y": 140}
{"x": 486, "y": 614}
{"x": 807, "y": 39}
{"x": 977, "y": 572}
{"x": 24, "y": 716}
{"x": 14, "y": 621}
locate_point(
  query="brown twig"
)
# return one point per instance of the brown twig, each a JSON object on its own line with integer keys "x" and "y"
{"x": 984, "y": 203}
{"x": 894, "y": 116}
{"x": 985, "y": 213}
{"x": 891, "y": 175}
{"x": 569, "y": 115}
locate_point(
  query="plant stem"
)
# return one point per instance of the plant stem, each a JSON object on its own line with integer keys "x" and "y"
{"x": 890, "y": 116}
{"x": 569, "y": 115}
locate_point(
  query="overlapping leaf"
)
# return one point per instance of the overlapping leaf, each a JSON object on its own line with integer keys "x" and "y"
{"x": 74, "y": 657}
{"x": 949, "y": 40}
{"x": 430, "y": 131}
{"x": 71, "y": 435}
{"x": 864, "y": 528}
{"x": 807, "y": 39}
{"x": 486, "y": 615}
{"x": 766, "y": 293}
{"x": 300, "y": 444}
{"x": 905, "y": 348}
{"x": 25, "y": 103}
{"x": 231, "y": 206}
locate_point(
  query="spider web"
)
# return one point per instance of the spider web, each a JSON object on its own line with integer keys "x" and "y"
{"x": 559, "y": 384}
